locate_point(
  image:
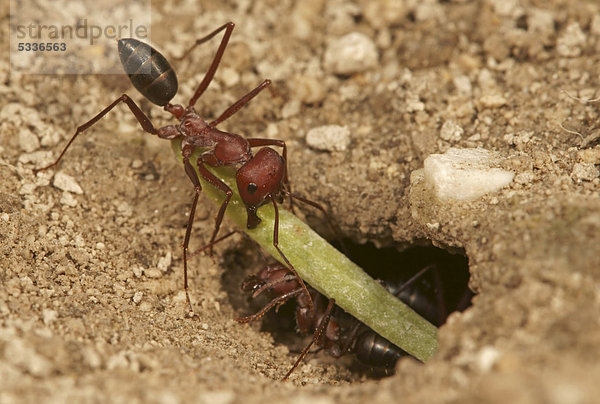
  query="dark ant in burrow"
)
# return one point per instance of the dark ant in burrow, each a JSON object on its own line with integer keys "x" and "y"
{"x": 325, "y": 323}
{"x": 261, "y": 177}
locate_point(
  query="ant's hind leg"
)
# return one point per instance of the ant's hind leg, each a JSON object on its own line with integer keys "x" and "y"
{"x": 193, "y": 176}
{"x": 139, "y": 115}
{"x": 228, "y": 27}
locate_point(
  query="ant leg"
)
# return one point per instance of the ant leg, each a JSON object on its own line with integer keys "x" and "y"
{"x": 139, "y": 115}
{"x": 215, "y": 181}
{"x": 441, "y": 311}
{"x": 279, "y": 300}
{"x": 217, "y": 241}
{"x": 228, "y": 27}
{"x": 441, "y": 305}
{"x": 191, "y": 173}
{"x": 256, "y": 142}
{"x": 287, "y": 278}
{"x": 193, "y": 176}
{"x": 240, "y": 103}
{"x": 311, "y": 306}
{"x": 317, "y": 337}
{"x": 413, "y": 279}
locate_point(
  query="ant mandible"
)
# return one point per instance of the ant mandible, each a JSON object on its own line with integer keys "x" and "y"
{"x": 261, "y": 178}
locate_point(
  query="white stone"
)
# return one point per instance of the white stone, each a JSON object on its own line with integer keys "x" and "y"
{"x": 68, "y": 199}
{"x": 487, "y": 357}
{"x": 329, "y": 138}
{"x": 451, "y": 131}
{"x": 352, "y": 53}
{"x": 465, "y": 174}
{"x": 164, "y": 262}
{"x": 584, "y": 172}
{"x": 28, "y": 141}
{"x": 571, "y": 41}
{"x": 66, "y": 183}
{"x": 137, "y": 297}
{"x": 492, "y": 101}
{"x": 49, "y": 316}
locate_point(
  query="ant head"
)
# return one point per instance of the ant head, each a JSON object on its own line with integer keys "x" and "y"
{"x": 259, "y": 181}
{"x": 148, "y": 70}
{"x": 252, "y": 283}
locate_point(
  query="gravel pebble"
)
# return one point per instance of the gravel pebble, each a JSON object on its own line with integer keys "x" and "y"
{"x": 492, "y": 101}
{"x": 28, "y": 141}
{"x": 451, "y": 131}
{"x": 329, "y": 138}
{"x": 66, "y": 183}
{"x": 352, "y": 53}
{"x": 571, "y": 40}
{"x": 584, "y": 172}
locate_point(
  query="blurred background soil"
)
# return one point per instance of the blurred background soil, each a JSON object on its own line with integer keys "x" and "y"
{"x": 91, "y": 306}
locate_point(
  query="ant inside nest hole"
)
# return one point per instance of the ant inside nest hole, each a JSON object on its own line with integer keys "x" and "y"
{"x": 433, "y": 281}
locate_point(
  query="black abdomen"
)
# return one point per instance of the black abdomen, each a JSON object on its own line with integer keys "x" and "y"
{"x": 374, "y": 350}
{"x": 148, "y": 71}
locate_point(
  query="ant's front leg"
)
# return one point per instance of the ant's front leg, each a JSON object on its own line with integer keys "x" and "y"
{"x": 317, "y": 337}
{"x": 311, "y": 305}
{"x": 139, "y": 115}
{"x": 277, "y": 301}
{"x": 218, "y": 183}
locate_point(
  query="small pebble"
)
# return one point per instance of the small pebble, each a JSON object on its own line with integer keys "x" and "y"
{"x": 462, "y": 84}
{"x": 492, "y": 101}
{"x": 451, "y": 132}
{"x": 352, "y": 53}
{"x": 584, "y": 172}
{"x": 525, "y": 177}
{"x": 66, "y": 183}
{"x": 488, "y": 356}
{"x": 137, "y": 297}
{"x": 68, "y": 199}
{"x": 137, "y": 271}
{"x": 329, "y": 138}
{"x": 164, "y": 262}
{"x": 290, "y": 109}
{"x": 309, "y": 89}
{"x": 28, "y": 141}
{"x": 153, "y": 273}
{"x": 27, "y": 189}
{"x": 571, "y": 41}
{"x": 49, "y": 316}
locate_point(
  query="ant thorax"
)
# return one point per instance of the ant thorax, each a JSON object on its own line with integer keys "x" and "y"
{"x": 192, "y": 125}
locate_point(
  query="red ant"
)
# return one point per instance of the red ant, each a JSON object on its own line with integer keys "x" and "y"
{"x": 372, "y": 350}
{"x": 261, "y": 178}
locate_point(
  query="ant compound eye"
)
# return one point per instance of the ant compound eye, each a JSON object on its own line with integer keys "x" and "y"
{"x": 252, "y": 187}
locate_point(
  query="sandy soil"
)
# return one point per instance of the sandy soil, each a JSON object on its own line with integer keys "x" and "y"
{"x": 91, "y": 307}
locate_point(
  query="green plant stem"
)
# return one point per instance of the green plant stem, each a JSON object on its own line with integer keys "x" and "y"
{"x": 328, "y": 270}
